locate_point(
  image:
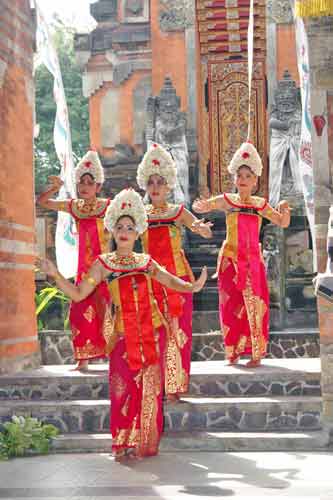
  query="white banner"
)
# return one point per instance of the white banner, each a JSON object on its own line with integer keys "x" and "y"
{"x": 250, "y": 49}
{"x": 66, "y": 241}
{"x": 305, "y": 148}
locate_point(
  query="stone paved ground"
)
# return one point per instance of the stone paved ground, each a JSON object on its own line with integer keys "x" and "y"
{"x": 173, "y": 476}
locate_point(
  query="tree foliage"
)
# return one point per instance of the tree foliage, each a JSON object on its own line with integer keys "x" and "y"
{"x": 46, "y": 161}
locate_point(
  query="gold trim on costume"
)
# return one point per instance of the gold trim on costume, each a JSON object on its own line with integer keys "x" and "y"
{"x": 83, "y": 209}
{"x": 168, "y": 211}
{"x": 110, "y": 333}
{"x": 256, "y": 309}
{"x": 176, "y": 379}
{"x": 256, "y": 201}
{"x": 88, "y": 351}
{"x": 90, "y": 314}
{"x": 127, "y": 438}
{"x": 149, "y": 432}
{"x": 125, "y": 262}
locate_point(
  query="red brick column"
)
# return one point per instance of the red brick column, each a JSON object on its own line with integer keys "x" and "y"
{"x": 169, "y": 57}
{"x": 19, "y": 346}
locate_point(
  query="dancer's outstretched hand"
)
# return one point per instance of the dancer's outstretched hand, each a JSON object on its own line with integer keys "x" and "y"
{"x": 46, "y": 266}
{"x": 203, "y": 228}
{"x": 199, "y": 283}
{"x": 201, "y": 206}
{"x": 55, "y": 182}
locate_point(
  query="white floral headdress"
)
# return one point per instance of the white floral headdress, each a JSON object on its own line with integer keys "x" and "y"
{"x": 246, "y": 155}
{"x": 126, "y": 203}
{"x": 158, "y": 161}
{"x": 90, "y": 164}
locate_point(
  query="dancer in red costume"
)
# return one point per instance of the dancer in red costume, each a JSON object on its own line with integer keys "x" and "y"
{"x": 133, "y": 326}
{"x": 243, "y": 291}
{"x": 163, "y": 241}
{"x": 86, "y": 318}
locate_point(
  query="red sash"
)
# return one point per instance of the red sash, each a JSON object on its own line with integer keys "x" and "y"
{"x": 138, "y": 322}
{"x": 248, "y": 258}
{"x": 159, "y": 247}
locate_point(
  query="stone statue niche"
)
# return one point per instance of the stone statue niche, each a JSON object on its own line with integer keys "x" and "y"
{"x": 285, "y": 124}
{"x": 166, "y": 125}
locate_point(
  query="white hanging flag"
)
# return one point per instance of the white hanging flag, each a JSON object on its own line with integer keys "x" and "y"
{"x": 66, "y": 241}
{"x": 250, "y": 49}
{"x": 305, "y": 148}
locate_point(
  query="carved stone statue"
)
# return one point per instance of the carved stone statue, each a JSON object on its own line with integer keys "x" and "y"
{"x": 285, "y": 124}
{"x": 166, "y": 125}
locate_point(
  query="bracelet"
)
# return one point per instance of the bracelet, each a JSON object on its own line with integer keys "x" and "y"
{"x": 194, "y": 228}
{"x": 189, "y": 286}
{"x": 213, "y": 204}
{"x": 91, "y": 281}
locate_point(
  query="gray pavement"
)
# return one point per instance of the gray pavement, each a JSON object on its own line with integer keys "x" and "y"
{"x": 169, "y": 476}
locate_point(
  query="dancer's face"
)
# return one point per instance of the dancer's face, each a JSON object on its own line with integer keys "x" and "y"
{"x": 87, "y": 188}
{"x": 125, "y": 233}
{"x": 157, "y": 189}
{"x": 245, "y": 180}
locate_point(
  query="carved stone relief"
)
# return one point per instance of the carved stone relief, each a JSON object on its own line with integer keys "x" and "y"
{"x": 280, "y": 11}
{"x": 176, "y": 15}
{"x": 166, "y": 124}
{"x": 285, "y": 125}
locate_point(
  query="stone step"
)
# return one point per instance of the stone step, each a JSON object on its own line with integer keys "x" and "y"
{"x": 210, "y": 283}
{"x": 202, "y": 441}
{"x": 275, "y": 377}
{"x": 299, "y": 377}
{"x": 205, "y": 321}
{"x": 291, "y": 413}
{"x": 207, "y": 300}
{"x": 199, "y": 257}
{"x": 290, "y": 344}
{"x": 56, "y": 346}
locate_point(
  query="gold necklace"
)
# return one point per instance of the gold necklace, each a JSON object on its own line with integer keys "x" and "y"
{"x": 124, "y": 260}
{"x": 158, "y": 210}
{"x": 244, "y": 202}
{"x": 88, "y": 206}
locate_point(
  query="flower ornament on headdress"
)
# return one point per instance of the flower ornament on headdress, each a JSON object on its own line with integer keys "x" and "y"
{"x": 126, "y": 203}
{"x": 90, "y": 164}
{"x": 157, "y": 160}
{"x": 246, "y": 155}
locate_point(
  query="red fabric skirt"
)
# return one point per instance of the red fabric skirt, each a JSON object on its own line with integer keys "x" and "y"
{"x": 179, "y": 340}
{"x": 136, "y": 401}
{"x": 244, "y": 316}
{"x": 86, "y": 319}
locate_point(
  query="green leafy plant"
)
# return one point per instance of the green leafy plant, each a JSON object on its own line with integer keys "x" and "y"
{"x": 23, "y": 435}
{"x": 47, "y": 297}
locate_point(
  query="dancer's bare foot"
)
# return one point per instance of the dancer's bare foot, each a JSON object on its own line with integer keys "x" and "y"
{"x": 120, "y": 456}
{"x": 127, "y": 455}
{"x": 233, "y": 360}
{"x": 253, "y": 363}
{"x": 131, "y": 454}
{"x": 172, "y": 398}
{"x": 82, "y": 366}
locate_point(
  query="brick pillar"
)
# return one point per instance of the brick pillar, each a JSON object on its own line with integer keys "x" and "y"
{"x": 320, "y": 34}
{"x": 168, "y": 46}
{"x": 19, "y": 346}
